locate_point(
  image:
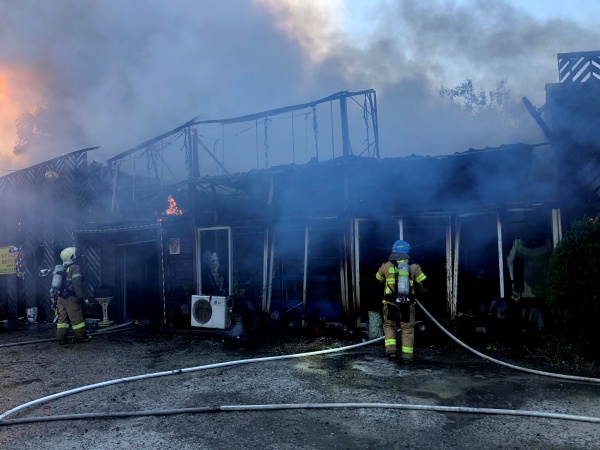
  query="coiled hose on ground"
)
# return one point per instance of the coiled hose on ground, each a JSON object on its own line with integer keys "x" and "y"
{"x": 223, "y": 408}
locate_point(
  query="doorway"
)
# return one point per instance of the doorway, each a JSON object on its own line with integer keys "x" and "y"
{"x": 139, "y": 281}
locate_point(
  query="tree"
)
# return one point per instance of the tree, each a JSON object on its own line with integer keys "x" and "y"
{"x": 477, "y": 102}
{"x": 574, "y": 287}
{"x": 32, "y": 128}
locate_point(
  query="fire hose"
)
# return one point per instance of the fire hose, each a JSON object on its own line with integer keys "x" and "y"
{"x": 113, "y": 329}
{"x": 223, "y": 408}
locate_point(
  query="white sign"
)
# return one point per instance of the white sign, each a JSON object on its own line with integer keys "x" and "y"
{"x": 174, "y": 247}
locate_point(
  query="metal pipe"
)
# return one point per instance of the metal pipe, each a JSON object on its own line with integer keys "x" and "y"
{"x": 455, "y": 269}
{"x": 116, "y": 168}
{"x": 305, "y": 272}
{"x": 355, "y": 250}
{"x": 162, "y": 273}
{"x": 344, "y": 125}
{"x": 271, "y": 262}
{"x": 500, "y": 254}
{"x": 556, "y": 227}
{"x": 449, "y": 300}
{"x": 265, "y": 303}
{"x": 401, "y": 228}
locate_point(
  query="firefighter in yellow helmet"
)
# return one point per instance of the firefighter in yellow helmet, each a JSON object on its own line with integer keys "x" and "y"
{"x": 400, "y": 275}
{"x": 70, "y": 300}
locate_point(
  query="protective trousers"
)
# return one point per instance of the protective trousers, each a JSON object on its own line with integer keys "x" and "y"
{"x": 70, "y": 311}
{"x": 405, "y": 313}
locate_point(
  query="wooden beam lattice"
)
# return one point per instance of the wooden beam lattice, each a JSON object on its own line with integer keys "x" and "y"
{"x": 40, "y": 216}
{"x": 578, "y": 67}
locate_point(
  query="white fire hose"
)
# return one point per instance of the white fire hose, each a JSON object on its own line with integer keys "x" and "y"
{"x": 224, "y": 408}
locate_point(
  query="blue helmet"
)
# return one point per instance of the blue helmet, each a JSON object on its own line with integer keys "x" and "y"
{"x": 401, "y": 247}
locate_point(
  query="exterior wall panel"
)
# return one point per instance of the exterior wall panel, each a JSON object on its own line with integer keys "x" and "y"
{"x": 40, "y": 215}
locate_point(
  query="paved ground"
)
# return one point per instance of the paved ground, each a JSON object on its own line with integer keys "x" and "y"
{"x": 444, "y": 375}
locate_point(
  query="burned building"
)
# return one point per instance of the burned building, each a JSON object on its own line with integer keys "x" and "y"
{"x": 42, "y": 206}
{"x": 304, "y": 241}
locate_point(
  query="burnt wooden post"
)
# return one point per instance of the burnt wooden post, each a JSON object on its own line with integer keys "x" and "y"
{"x": 344, "y": 119}
{"x": 193, "y": 176}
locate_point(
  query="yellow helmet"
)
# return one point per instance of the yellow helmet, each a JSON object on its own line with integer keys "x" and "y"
{"x": 68, "y": 255}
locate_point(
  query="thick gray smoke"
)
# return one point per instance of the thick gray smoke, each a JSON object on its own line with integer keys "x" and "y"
{"x": 417, "y": 47}
{"x": 115, "y": 73}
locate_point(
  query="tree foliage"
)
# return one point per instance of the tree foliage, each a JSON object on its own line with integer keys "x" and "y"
{"x": 33, "y": 128}
{"x": 574, "y": 287}
{"x": 480, "y": 101}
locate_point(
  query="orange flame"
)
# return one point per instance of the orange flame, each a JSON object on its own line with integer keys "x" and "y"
{"x": 173, "y": 209}
{"x": 19, "y": 93}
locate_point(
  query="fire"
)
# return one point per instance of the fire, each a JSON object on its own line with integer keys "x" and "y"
{"x": 8, "y": 114}
{"x": 173, "y": 209}
{"x": 19, "y": 93}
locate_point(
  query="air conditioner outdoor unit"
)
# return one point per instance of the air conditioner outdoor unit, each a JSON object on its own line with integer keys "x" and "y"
{"x": 209, "y": 311}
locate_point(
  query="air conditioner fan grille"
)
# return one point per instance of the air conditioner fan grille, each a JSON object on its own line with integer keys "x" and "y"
{"x": 202, "y": 311}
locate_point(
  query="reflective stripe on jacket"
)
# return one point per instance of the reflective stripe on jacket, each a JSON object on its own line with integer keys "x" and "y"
{"x": 73, "y": 281}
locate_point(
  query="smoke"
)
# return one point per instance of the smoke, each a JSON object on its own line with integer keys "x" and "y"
{"x": 414, "y": 48}
{"x": 118, "y": 73}
{"x": 113, "y": 74}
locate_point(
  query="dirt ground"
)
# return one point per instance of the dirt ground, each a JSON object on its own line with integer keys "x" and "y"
{"x": 444, "y": 374}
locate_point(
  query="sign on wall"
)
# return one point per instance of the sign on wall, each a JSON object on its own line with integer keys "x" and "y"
{"x": 8, "y": 258}
{"x": 174, "y": 247}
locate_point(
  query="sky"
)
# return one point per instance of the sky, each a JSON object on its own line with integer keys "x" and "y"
{"x": 114, "y": 73}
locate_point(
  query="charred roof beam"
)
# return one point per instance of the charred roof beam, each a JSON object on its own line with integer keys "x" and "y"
{"x": 538, "y": 119}
{"x": 370, "y": 93}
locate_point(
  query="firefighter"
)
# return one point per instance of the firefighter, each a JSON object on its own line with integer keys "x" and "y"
{"x": 400, "y": 274}
{"x": 70, "y": 301}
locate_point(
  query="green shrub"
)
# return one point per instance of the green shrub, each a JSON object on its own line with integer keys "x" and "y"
{"x": 574, "y": 287}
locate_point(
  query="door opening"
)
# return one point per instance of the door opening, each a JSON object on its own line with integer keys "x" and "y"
{"x": 139, "y": 281}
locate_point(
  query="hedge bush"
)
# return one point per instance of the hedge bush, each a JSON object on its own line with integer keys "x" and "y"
{"x": 574, "y": 288}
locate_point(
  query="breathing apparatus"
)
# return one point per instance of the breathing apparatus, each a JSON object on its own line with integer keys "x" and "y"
{"x": 402, "y": 272}
{"x": 403, "y": 282}
{"x": 55, "y": 287}
{"x": 68, "y": 256}
{"x": 57, "y": 277}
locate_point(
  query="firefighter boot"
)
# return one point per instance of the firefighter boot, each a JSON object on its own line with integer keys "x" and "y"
{"x": 80, "y": 333}
{"x": 61, "y": 334}
{"x": 407, "y": 358}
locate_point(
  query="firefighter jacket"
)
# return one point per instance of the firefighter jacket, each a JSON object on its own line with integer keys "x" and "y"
{"x": 388, "y": 272}
{"x": 73, "y": 282}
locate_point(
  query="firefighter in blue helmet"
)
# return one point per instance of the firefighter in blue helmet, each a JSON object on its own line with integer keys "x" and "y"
{"x": 401, "y": 276}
